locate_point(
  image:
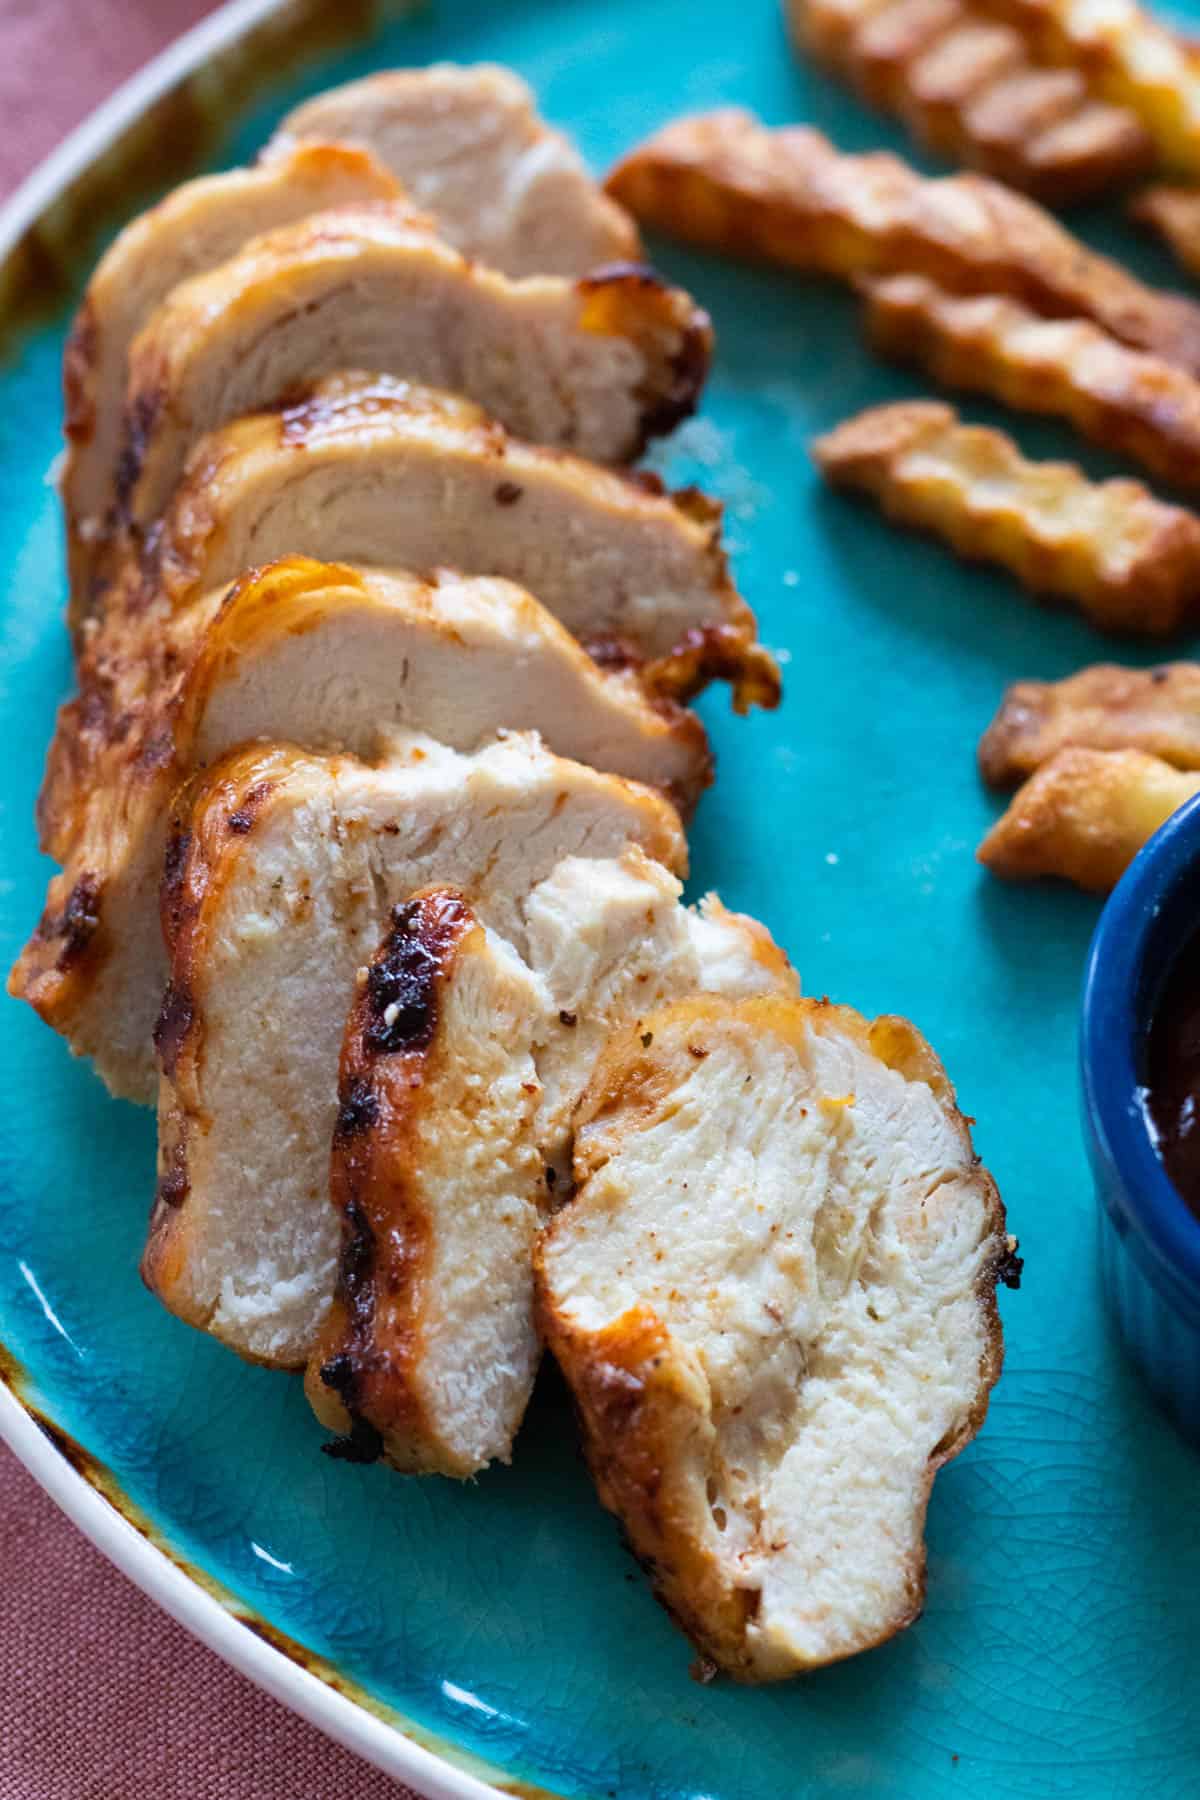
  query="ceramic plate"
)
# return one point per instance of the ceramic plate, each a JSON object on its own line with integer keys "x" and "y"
{"x": 500, "y": 1627}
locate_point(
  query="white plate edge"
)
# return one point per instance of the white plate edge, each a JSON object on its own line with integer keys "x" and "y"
{"x": 150, "y": 1569}
{"x": 101, "y": 1523}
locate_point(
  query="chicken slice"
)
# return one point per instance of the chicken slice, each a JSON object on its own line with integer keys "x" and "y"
{"x": 468, "y": 145}
{"x": 282, "y": 870}
{"x": 370, "y": 469}
{"x": 195, "y": 228}
{"x": 597, "y": 365}
{"x": 429, "y": 1351}
{"x": 773, "y": 1297}
{"x": 611, "y": 941}
{"x": 320, "y": 655}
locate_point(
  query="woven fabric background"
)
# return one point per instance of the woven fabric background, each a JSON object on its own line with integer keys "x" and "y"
{"x": 101, "y": 1696}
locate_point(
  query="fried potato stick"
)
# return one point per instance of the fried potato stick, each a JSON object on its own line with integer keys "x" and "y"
{"x": 1126, "y": 55}
{"x": 1127, "y": 400}
{"x": 1084, "y": 816}
{"x": 722, "y": 181}
{"x": 968, "y": 90}
{"x": 1128, "y": 561}
{"x": 1174, "y": 213}
{"x": 1106, "y": 707}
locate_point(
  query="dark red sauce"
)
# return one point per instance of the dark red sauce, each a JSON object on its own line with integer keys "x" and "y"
{"x": 1172, "y": 1093}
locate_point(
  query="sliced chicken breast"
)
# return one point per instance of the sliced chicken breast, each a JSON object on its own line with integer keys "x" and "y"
{"x": 611, "y": 941}
{"x": 320, "y": 655}
{"x": 598, "y": 366}
{"x": 370, "y": 469}
{"x": 282, "y": 870}
{"x": 468, "y": 145}
{"x": 429, "y": 1351}
{"x": 195, "y": 228}
{"x": 453, "y": 1139}
{"x": 773, "y": 1297}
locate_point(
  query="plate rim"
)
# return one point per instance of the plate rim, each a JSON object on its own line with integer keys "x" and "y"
{"x": 382, "y": 1741}
{"x": 214, "y": 1622}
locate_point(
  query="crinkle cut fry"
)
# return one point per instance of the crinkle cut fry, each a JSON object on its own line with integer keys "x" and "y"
{"x": 1127, "y": 400}
{"x": 1084, "y": 816}
{"x": 968, "y": 89}
{"x": 724, "y": 182}
{"x": 1128, "y": 56}
{"x": 1105, "y": 707}
{"x": 1173, "y": 212}
{"x": 1130, "y": 562}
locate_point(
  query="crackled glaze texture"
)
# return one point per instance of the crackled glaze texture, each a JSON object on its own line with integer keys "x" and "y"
{"x": 1058, "y": 1654}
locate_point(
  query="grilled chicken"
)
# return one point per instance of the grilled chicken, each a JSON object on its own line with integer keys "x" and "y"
{"x": 773, "y": 1297}
{"x": 368, "y": 469}
{"x": 319, "y": 655}
{"x": 429, "y": 1349}
{"x": 598, "y": 365}
{"x": 195, "y": 228}
{"x": 453, "y": 1137}
{"x": 282, "y": 870}
{"x": 468, "y": 145}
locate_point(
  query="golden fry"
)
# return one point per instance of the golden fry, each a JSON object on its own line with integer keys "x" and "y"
{"x": 1105, "y": 707}
{"x": 1126, "y": 55}
{"x": 1127, "y": 560}
{"x": 1175, "y": 214}
{"x": 721, "y": 180}
{"x": 969, "y": 91}
{"x": 1084, "y": 816}
{"x": 1128, "y": 400}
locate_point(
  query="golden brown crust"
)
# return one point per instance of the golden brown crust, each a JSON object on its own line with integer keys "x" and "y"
{"x": 970, "y": 91}
{"x": 203, "y": 317}
{"x": 1129, "y": 561}
{"x": 1084, "y": 816}
{"x": 1105, "y": 707}
{"x": 643, "y": 1402}
{"x": 197, "y": 223}
{"x": 1175, "y": 214}
{"x": 141, "y": 691}
{"x": 212, "y": 815}
{"x": 710, "y": 653}
{"x": 640, "y": 1417}
{"x": 348, "y": 408}
{"x": 631, "y": 300}
{"x": 360, "y": 1380}
{"x": 149, "y": 679}
{"x": 1127, "y": 400}
{"x": 1127, "y": 56}
{"x": 723, "y": 181}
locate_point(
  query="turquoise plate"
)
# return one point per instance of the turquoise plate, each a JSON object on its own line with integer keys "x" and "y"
{"x": 499, "y": 1630}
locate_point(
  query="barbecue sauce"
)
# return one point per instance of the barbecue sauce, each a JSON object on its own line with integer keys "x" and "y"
{"x": 1172, "y": 1092}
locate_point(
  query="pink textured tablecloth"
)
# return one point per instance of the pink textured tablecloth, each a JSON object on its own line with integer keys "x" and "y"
{"x": 101, "y": 1696}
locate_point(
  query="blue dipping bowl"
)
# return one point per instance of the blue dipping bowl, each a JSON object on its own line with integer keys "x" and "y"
{"x": 1149, "y": 1240}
